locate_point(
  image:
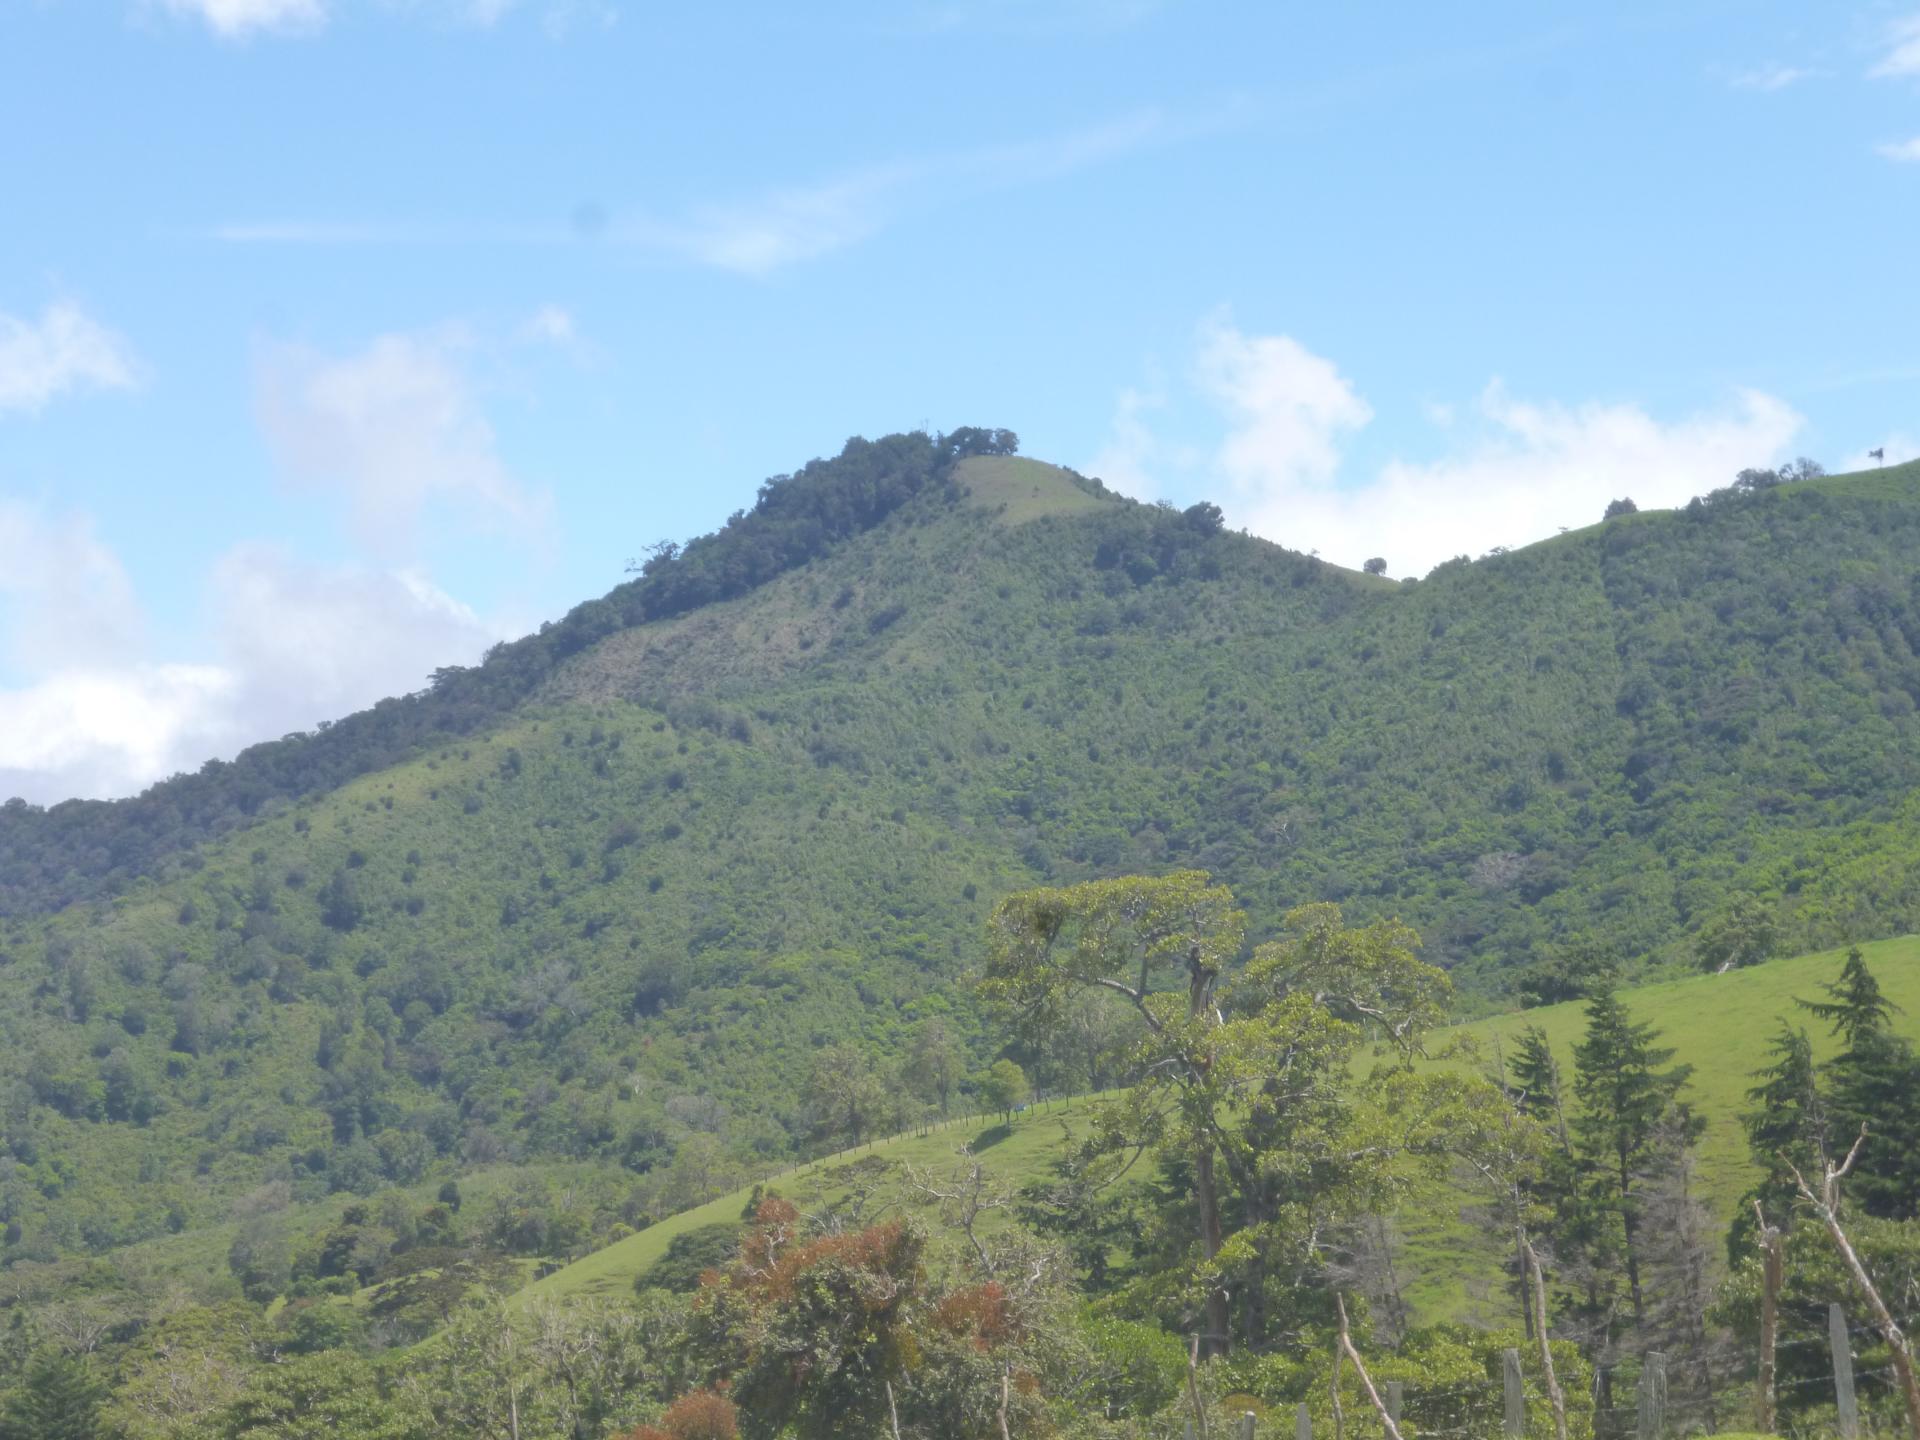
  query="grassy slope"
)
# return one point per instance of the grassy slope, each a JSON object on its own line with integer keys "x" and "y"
{"x": 1719, "y": 1024}
{"x": 1013, "y": 1155}
{"x": 1722, "y": 1026}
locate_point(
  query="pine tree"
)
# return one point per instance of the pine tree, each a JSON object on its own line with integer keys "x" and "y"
{"x": 1786, "y": 1127}
{"x": 1856, "y": 1006}
{"x": 1874, "y": 1082}
{"x": 1537, "y": 1088}
{"x": 1625, "y": 1099}
{"x": 58, "y": 1400}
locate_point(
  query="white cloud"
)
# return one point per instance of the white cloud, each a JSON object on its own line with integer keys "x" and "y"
{"x": 1903, "y": 48}
{"x": 1533, "y": 469}
{"x": 63, "y": 350}
{"x": 1519, "y": 471}
{"x": 1288, "y": 408}
{"x": 292, "y": 644}
{"x": 234, "y": 19}
{"x": 1904, "y": 152}
{"x": 64, "y": 596}
{"x": 553, "y": 324}
{"x": 397, "y": 429}
{"x": 99, "y": 734}
{"x": 307, "y": 642}
{"x": 1132, "y": 455}
{"x": 1768, "y": 78}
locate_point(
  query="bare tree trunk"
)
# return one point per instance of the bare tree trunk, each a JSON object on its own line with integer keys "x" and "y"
{"x": 1339, "y": 1410}
{"x": 1206, "y": 1191}
{"x": 1537, "y": 1286}
{"x": 1772, "y": 1274}
{"x": 1360, "y": 1367}
{"x": 1006, "y": 1385}
{"x": 893, "y": 1411}
{"x": 1827, "y": 1206}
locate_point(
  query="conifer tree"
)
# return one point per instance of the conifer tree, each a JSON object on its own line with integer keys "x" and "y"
{"x": 1876, "y": 1083}
{"x": 57, "y": 1400}
{"x": 1873, "y": 1082}
{"x": 1856, "y": 1005}
{"x": 1786, "y": 1127}
{"x": 1537, "y": 1087}
{"x": 1625, "y": 1099}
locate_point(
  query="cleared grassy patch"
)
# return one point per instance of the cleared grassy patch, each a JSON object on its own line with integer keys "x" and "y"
{"x": 1022, "y": 490}
{"x": 1013, "y": 1155}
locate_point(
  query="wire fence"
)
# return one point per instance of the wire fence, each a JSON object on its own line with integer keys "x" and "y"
{"x": 1646, "y": 1397}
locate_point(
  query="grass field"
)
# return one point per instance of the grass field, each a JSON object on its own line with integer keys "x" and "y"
{"x": 1013, "y": 1155}
{"x": 1021, "y": 490}
{"x": 1719, "y": 1024}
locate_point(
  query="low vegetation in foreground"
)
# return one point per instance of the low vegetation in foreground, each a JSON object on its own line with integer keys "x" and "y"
{"x": 1225, "y": 1235}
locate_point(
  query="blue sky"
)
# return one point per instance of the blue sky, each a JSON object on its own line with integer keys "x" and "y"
{"x": 341, "y": 337}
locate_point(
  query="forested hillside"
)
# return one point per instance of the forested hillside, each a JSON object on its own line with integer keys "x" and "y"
{"x": 625, "y": 911}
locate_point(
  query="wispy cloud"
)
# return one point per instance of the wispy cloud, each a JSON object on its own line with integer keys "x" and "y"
{"x": 396, "y": 428}
{"x": 1902, "y": 57}
{"x": 237, "y": 19}
{"x": 64, "y": 350}
{"x": 787, "y": 224}
{"x": 1768, "y": 78}
{"x": 1904, "y": 152}
{"x": 243, "y": 19}
{"x": 1029, "y": 17}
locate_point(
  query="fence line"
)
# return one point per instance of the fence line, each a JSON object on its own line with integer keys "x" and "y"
{"x": 1499, "y": 1408}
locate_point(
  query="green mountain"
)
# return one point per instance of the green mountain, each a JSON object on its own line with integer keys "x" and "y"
{"x": 605, "y": 898}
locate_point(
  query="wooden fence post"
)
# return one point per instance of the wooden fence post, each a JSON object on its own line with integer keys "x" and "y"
{"x": 1302, "y": 1423}
{"x": 1516, "y": 1394}
{"x": 1843, "y": 1396}
{"x": 1653, "y": 1396}
{"x": 1396, "y": 1393}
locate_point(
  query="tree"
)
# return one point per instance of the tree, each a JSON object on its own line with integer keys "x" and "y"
{"x": 58, "y": 1399}
{"x": 1787, "y": 1128}
{"x": 845, "y": 1093}
{"x": 1625, "y": 1100}
{"x": 1131, "y": 936}
{"x": 1743, "y": 934}
{"x": 934, "y": 1064}
{"x": 1250, "y": 1097}
{"x": 1003, "y": 1087}
{"x": 1875, "y": 1083}
{"x": 1623, "y": 506}
{"x": 1854, "y": 1007}
{"x": 1376, "y": 566}
{"x": 1204, "y": 517}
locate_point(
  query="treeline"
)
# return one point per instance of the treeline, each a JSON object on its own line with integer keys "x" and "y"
{"x": 79, "y": 849}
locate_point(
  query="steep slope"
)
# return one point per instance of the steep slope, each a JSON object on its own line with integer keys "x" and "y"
{"x": 669, "y": 859}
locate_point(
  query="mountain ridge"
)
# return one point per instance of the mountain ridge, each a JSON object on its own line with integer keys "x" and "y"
{"x": 615, "y": 921}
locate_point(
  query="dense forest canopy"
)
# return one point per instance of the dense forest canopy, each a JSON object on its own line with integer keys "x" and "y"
{"x": 84, "y": 848}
